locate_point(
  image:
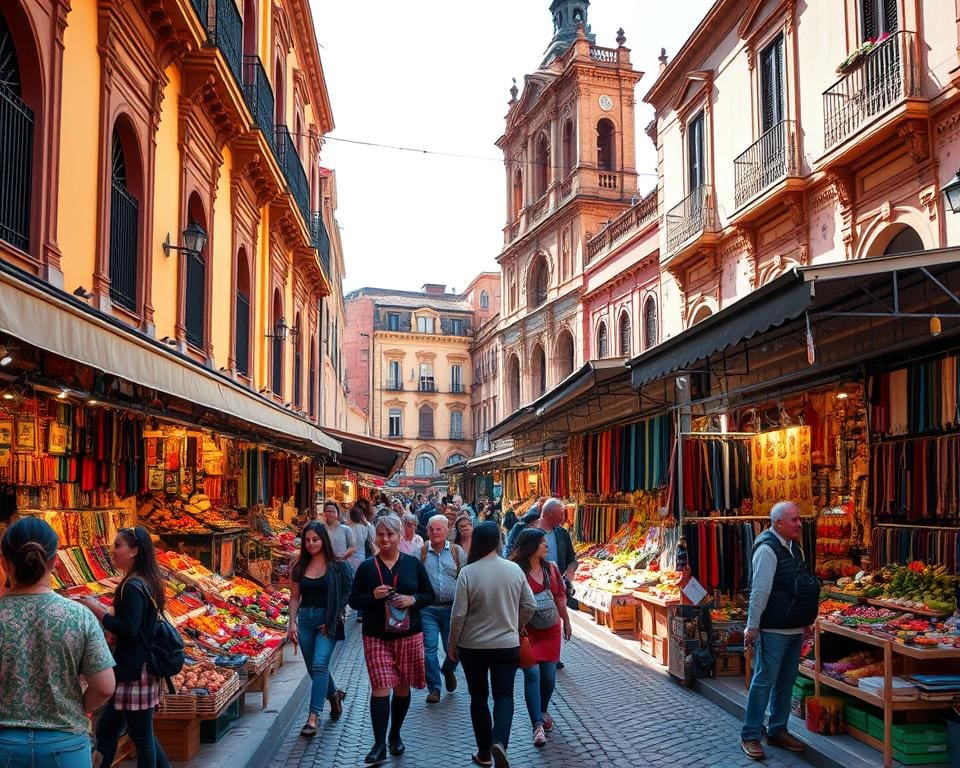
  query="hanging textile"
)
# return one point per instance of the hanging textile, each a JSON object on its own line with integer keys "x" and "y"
{"x": 921, "y": 398}
{"x": 716, "y": 474}
{"x": 903, "y": 545}
{"x": 633, "y": 457}
{"x": 916, "y": 480}
{"x": 558, "y": 480}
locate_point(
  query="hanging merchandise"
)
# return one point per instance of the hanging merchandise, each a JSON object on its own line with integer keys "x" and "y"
{"x": 716, "y": 474}
{"x": 921, "y": 398}
{"x": 556, "y": 476}
{"x": 781, "y": 469}
{"x": 906, "y": 544}
{"x": 916, "y": 480}
{"x": 634, "y": 457}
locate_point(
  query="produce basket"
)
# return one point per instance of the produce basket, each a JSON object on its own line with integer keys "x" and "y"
{"x": 177, "y": 705}
{"x": 211, "y": 705}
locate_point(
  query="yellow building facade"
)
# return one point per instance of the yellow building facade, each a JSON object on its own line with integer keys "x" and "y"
{"x": 163, "y": 165}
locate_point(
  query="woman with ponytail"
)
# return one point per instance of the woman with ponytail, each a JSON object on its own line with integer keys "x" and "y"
{"x": 137, "y": 603}
{"x": 46, "y": 643}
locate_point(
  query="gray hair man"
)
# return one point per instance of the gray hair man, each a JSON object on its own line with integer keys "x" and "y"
{"x": 443, "y": 560}
{"x": 783, "y": 605}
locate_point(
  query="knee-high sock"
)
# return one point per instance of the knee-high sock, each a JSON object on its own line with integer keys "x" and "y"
{"x": 379, "y": 717}
{"x": 398, "y": 711}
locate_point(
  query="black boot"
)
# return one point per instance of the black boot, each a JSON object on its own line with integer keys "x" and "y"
{"x": 379, "y": 718}
{"x": 398, "y": 711}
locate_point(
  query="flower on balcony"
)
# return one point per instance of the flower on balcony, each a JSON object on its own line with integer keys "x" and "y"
{"x": 854, "y": 58}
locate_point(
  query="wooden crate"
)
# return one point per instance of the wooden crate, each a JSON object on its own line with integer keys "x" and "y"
{"x": 727, "y": 664}
{"x": 623, "y": 618}
{"x": 661, "y": 650}
{"x": 180, "y": 738}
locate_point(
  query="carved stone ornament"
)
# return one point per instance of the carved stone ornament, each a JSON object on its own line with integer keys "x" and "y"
{"x": 917, "y": 140}
{"x": 842, "y": 186}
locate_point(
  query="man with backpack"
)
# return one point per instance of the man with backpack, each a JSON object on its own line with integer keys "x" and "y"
{"x": 443, "y": 560}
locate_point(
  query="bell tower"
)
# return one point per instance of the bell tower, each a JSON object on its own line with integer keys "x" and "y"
{"x": 569, "y": 156}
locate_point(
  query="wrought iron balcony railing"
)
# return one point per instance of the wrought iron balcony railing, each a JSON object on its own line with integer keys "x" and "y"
{"x": 124, "y": 225}
{"x": 395, "y": 386}
{"x": 226, "y": 33}
{"x": 636, "y": 216}
{"x": 202, "y": 9}
{"x": 874, "y": 82}
{"x": 770, "y": 159}
{"x": 427, "y": 385}
{"x": 695, "y": 214}
{"x": 320, "y": 239}
{"x": 258, "y": 94}
{"x": 293, "y": 171}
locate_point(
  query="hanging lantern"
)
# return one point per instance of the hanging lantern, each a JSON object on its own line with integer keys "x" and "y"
{"x": 935, "y": 326}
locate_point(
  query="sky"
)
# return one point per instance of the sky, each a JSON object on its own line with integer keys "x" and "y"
{"x": 435, "y": 75}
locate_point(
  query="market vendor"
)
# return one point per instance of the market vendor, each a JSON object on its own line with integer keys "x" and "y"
{"x": 784, "y": 598}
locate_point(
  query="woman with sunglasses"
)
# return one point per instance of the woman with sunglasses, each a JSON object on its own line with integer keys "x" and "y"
{"x": 46, "y": 643}
{"x": 319, "y": 588}
{"x": 137, "y": 603}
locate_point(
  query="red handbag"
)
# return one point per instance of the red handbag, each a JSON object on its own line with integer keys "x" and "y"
{"x": 527, "y": 659}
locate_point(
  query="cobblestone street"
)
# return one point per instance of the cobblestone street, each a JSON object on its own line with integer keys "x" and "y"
{"x": 609, "y": 711}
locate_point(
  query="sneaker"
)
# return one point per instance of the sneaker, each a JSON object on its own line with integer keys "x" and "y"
{"x": 499, "y": 754}
{"x": 539, "y": 737}
{"x": 547, "y": 721}
{"x": 433, "y": 697}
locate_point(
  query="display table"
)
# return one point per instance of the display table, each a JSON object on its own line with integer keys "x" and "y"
{"x": 914, "y": 660}
{"x": 653, "y": 626}
{"x": 618, "y": 611}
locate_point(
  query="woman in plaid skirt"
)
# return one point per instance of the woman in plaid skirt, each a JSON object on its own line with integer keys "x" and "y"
{"x": 136, "y": 605}
{"x": 391, "y": 588}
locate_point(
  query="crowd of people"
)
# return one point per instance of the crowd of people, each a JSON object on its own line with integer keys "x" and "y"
{"x": 428, "y": 573}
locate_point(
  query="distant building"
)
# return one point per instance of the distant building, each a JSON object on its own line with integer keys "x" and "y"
{"x": 409, "y": 367}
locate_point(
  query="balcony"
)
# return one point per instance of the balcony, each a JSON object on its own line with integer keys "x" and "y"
{"x": 226, "y": 32}
{"x": 320, "y": 239}
{"x": 771, "y": 158}
{"x": 426, "y": 385}
{"x": 696, "y": 215}
{"x": 395, "y": 386}
{"x": 425, "y": 434}
{"x": 258, "y": 94}
{"x": 632, "y": 220}
{"x": 874, "y": 83}
{"x": 457, "y": 389}
{"x": 456, "y": 434}
{"x": 293, "y": 172}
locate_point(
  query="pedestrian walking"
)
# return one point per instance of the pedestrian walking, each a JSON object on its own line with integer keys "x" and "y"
{"x": 530, "y": 518}
{"x": 46, "y": 643}
{"x": 545, "y": 627}
{"x": 443, "y": 561}
{"x": 137, "y": 604}
{"x": 391, "y": 589}
{"x": 464, "y": 532}
{"x": 493, "y": 600}
{"x": 319, "y": 588}
{"x": 410, "y": 543}
{"x": 340, "y": 535}
{"x": 363, "y": 535}
{"x": 784, "y": 597}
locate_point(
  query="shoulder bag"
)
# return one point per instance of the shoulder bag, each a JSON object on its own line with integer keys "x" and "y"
{"x": 397, "y": 620}
{"x": 165, "y": 655}
{"x": 546, "y": 615}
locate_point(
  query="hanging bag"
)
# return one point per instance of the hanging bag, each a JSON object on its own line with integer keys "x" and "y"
{"x": 396, "y": 620}
{"x": 526, "y": 659}
{"x": 546, "y": 615}
{"x": 165, "y": 655}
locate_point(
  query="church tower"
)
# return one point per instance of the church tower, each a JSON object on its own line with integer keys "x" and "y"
{"x": 569, "y": 156}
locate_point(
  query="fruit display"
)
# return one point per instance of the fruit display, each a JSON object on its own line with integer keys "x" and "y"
{"x": 924, "y": 632}
{"x": 917, "y": 586}
{"x": 200, "y": 508}
{"x": 196, "y": 516}
{"x": 201, "y": 678}
{"x": 861, "y": 615}
{"x": 829, "y": 606}
{"x": 217, "y": 634}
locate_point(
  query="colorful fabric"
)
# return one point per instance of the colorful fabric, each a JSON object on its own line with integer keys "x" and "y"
{"x": 46, "y": 642}
{"x": 395, "y": 662}
{"x": 143, "y": 693}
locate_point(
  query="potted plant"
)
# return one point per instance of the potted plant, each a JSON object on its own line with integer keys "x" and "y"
{"x": 861, "y": 53}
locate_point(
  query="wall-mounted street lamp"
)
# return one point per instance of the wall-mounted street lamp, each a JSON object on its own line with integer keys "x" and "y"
{"x": 281, "y": 329}
{"x": 952, "y": 193}
{"x": 194, "y": 239}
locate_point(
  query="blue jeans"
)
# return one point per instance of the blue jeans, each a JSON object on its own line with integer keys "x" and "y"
{"x": 29, "y": 747}
{"x": 496, "y": 669}
{"x": 436, "y": 628}
{"x": 776, "y": 657}
{"x": 317, "y": 649}
{"x": 139, "y": 726}
{"x": 538, "y": 684}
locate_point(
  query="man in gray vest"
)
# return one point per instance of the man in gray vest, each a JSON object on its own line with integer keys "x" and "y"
{"x": 783, "y": 605}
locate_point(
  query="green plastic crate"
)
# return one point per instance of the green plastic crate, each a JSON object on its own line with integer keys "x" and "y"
{"x": 910, "y": 733}
{"x": 856, "y": 717}
{"x": 923, "y": 759}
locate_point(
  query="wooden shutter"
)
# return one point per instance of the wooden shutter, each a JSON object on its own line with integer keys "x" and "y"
{"x": 771, "y": 84}
{"x": 868, "y": 14}
{"x": 426, "y": 421}
{"x": 891, "y": 13}
{"x": 696, "y": 152}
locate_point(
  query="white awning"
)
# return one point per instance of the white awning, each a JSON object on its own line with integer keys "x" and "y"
{"x": 42, "y": 316}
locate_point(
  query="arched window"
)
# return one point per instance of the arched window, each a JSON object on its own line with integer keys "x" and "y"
{"x": 195, "y": 309}
{"x": 602, "y": 340}
{"x": 650, "y": 322}
{"x": 538, "y": 365}
{"x": 565, "y": 352}
{"x": 276, "y": 351}
{"x": 426, "y": 422}
{"x": 124, "y": 219}
{"x": 484, "y": 300}
{"x": 280, "y": 88}
{"x": 569, "y": 149}
{"x": 702, "y": 314}
{"x": 425, "y": 466}
{"x": 249, "y": 27}
{"x": 513, "y": 383}
{"x": 456, "y": 458}
{"x": 16, "y": 146}
{"x": 241, "y": 331}
{"x": 517, "y": 193}
{"x": 541, "y": 167}
{"x": 605, "y": 145}
{"x": 298, "y": 365}
{"x": 905, "y": 241}
{"x": 312, "y": 382}
{"x": 537, "y": 291}
{"x": 624, "y": 333}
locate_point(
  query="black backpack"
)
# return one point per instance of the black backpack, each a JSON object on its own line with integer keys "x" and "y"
{"x": 165, "y": 656}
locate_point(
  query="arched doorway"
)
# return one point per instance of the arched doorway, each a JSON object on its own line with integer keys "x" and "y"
{"x": 513, "y": 383}
{"x": 538, "y": 366}
{"x": 905, "y": 241}
{"x": 565, "y": 361}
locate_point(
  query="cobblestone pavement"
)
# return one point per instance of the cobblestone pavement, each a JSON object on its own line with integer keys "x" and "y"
{"x": 609, "y": 711}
